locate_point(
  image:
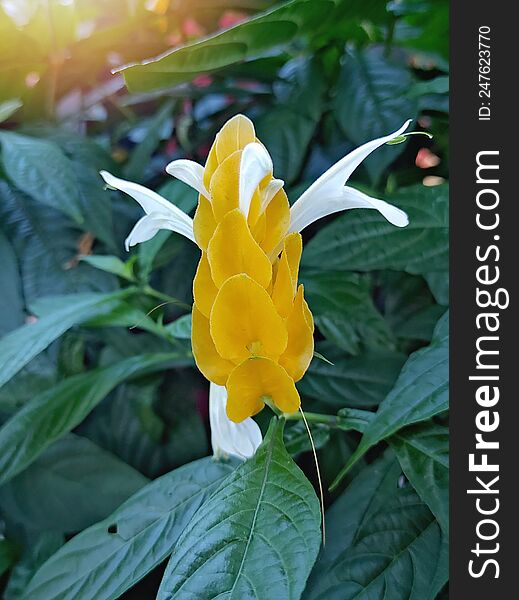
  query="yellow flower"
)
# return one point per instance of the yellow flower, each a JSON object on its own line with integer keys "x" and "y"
{"x": 252, "y": 330}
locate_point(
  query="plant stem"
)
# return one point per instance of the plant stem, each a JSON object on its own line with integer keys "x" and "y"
{"x": 356, "y": 420}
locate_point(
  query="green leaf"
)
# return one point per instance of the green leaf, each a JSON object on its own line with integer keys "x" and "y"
{"x": 41, "y": 170}
{"x": 8, "y": 108}
{"x": 21, "y": 345}
{"x": 423, "y": 453}
{"x": 151, "y": 424}
{"x": 409, "y": 306}
{"x": 11, "y": 300}
{"x": 372, "y": 100}
{"x": 344, "y": 311}
{"x": 438, "y": 282}
{"x": 390, "y": 546}
{"x": 361, "y": 381}
{"x": 8, "y": 555}
{"x": 362, "y": 240}
{"x": 55, "y": 412}
{"x": 69, "y": 473}
{"x": 147, "y": 251}
{"x": 297, "y": 440}
{"x": 181, "y": 327}
{"x": 257, "y": 536}
{"x": 140, "y": 157}
{"x": 111, "y": 264}
{"x": 287, "y": 127}
{"x": 421, "y": 391}
{"x": 36, "y": 551}
{"x": 249, "y": 39}
{"x": 46, "y": 244}
{"x": 105, "y": 560}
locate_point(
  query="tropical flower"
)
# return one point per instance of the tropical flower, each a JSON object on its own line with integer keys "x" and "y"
{"x": 252, "y": 330}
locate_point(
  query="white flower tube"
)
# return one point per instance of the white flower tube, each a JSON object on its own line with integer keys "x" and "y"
{"x": 228, "y": 438}
{"x": 160, "y": 214}
{"x": 328, "y": 194}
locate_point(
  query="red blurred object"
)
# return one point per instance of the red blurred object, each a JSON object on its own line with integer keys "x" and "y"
{"x": 192, "y": 29}
{"x": 231, "y": 18}
{"x": 425, "y": 159}
{"x": 202, "y": 81}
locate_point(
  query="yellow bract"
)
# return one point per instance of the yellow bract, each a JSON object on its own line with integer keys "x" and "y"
{"x": 285, "y": 285}
{"x": 300, "y": 347}
{"x": 244, "y": 321}
{"x": 204, "y": 223}
{"x": 257, "y": 380}
{"x": 252, "y": 328}
{"x": 204, "y": 289}
{"x": 224, "y": 192}
{"x": 210, "y": 363}
{"x": 233, "y": 250}
{"x": 234, "y": 135}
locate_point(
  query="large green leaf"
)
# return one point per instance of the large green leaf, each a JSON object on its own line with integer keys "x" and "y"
{"x": 251, "y": 38}
{"x": 362, "y": 240}
{"x": 344, "y": 311}
{"x": 129, "y": 426}
{"x": 36, "y": 551}
{"x": 69, "y": 473}
{"x": 41, "y": 170}
{"x": 287, "y": 127}
{"x": 423, "y": 453}
{"x": 421, "y": 391}
{"x": 360, "y": 381}
{"x": 140, "y": 157}
{"x": 389, "y": 545}
{"x": 103, "y": 561}
{"x": 55, "y": 412}
{"x": 11, "y": 301}
{"x": 8, "y": 555}
{"x": 18, "y": 347}
{"x": 372, "y": 100}
{"x": 409, "y": 306}
{"x": 46, "y": 243}
{"x": 256, "y": 537}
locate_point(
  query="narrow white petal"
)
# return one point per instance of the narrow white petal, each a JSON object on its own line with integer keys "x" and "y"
{"x": 394, "y": 215}
{"x": 273, "y": 187}
{"x": 330, "y": 183}
{"x": 348, "y": 198}
{"x": 149, "y": 225}
{"x": 189, "y": 172}
{"x": 150, "y": 201}
{"x": 164, "y": 214}
{"x": 228, "y": 438}
{"x": 255, "y": 164}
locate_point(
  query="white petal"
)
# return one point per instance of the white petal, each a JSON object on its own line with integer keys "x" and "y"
{"x": 255, "y": 164}
{"x": 150, "y": 201}
{"x": 149, "y": 225}
{"x": 155, "y": 206}
{"x": 357, "y": 199}
{"x": 329, "y": 184}
{"x": 228, "y": 438}
{"x": 273, "y": 187}
{"x": 348, "y": 198}
{"x": 189, "y": 172}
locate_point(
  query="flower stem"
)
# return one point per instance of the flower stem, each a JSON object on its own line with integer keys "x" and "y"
{"x": 349, "y": 419}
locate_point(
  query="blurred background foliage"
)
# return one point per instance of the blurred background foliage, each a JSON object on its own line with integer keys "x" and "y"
{"x": 99, "y": 393}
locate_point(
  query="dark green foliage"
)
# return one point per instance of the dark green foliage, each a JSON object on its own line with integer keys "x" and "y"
{"x": 105, "y": 478}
